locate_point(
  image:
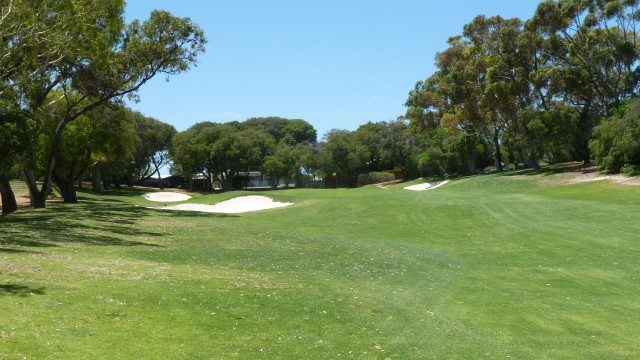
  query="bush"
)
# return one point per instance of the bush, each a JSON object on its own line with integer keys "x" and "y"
{"x": 616, "y": 142}
{"x": 630, "y": 170}
{"x": 432, "y": 162}
{"x": 375, "y": 178}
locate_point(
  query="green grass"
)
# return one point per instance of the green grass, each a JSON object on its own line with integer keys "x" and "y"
{"x": 482, "y": 267}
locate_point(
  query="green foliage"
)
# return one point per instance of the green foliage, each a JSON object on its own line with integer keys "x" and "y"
{"x": 432, "y": 162}
{"x": 539, "y": 87}
{"x": 154, "y": 140}
{"x": 223, "y": 151}
{"x": 83, "y": 53}
{"x": 290, "y": 131}
{"x": 630, "y": 170}
{"x": 18, "y": 138}
{"x": 344, "y": 155}
{"x": 616, "y": 142}
{"x": 375, "y": 178}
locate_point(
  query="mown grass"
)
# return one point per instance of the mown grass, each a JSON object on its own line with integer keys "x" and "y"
{"x": 483, "y": 267}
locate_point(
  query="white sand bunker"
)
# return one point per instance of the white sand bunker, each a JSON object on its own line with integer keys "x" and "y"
{"x": 426, "y": 186}
{"x": 236, "y": 205}
{"x": 166, "y": 196}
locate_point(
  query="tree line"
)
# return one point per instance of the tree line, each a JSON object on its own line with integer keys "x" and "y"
{"x": 221, "y": 153}
{"x": 558, "y": 87}
{"x": 561, "y": 86}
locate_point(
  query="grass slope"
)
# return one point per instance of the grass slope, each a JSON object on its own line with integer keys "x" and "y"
{"x": 484, "y": 267}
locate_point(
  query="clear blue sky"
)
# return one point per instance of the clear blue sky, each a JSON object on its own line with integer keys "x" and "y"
{"x": 335, "y": 64}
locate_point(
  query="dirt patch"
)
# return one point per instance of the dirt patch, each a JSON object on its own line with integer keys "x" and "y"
{"x": 575, "y": 173}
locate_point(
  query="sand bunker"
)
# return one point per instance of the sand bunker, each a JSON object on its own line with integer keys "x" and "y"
{"x": 236, "y": 205}
{"x": 166, "y": 196}
{"x": 426, "y": 186}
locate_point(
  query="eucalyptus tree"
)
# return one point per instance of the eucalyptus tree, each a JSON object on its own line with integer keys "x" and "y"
{"x": 453, "y": 96}
{"x": 616, "y": 140}
{"x": 344, "y": 157}
{"x": 192, "y": 152}
{"x": 188, "y": 154}
{"x": 399, "y": 146}
{"x": 594, "y": 46}
{"x": 292, "y": 131}
{"x": 104, "y": 60}
{"x": 367, "y": 135}
{"x": 114, "y": 130}
{"x": 249, "y": 148}
{"x": 281, "y": 165}
{"x": 152, "y": 152}
{"x": 297, "y": 131}
{"x": 33, "y": 40}
{"x": 18, "y": 132}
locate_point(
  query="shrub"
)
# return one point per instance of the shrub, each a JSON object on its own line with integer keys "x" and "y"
{"x": 374, "y": 178}
{"x": 432, "y": 162}
{"x": 616, "y": 142}
{"x": 630, "y": 170}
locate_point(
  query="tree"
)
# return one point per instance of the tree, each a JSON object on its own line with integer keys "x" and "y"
{"x": 17, "y": 131}
{"x": 112, "y": 152}
{"x": 398, "y": 146}
{"x": 292, "y": 131}
{"x": 34, "y": 39}
{"x": 343, "y": 155}
{"x": 35, "y": 36}
{"x": 281, "y": 165}
{"x": 616, "y": 141}
{"x": 249, "y": 148}
{"x": 453, "y": 98}
{"x": 113, "y": 64}
{"x": 594, "y": 46}
{"x": 297, "y": 131}
{"x": 152, "y": 152}
{"x": 290, "y": 163}
{"x": 192, "y": 152}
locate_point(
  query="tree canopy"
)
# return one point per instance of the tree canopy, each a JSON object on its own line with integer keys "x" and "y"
{"x": 537, "y": 87}
{"x": 68, "y": 58}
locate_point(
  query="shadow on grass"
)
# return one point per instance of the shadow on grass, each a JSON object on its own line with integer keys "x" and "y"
{"x": 552, "y": 170}
{"x": 17, "y": 251}
{"x": 99, "y": 222}
{"x": 191, "y": 214}
{"x": 20, "y": 290}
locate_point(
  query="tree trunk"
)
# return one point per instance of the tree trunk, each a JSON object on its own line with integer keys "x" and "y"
{"x": 496, "y": 144}
{"x": 67, "y": 190}
{"x": 9, "y": 203}
{"x": 160, "y": 181}
{"x": 586, "y": 159}
{"x": 586, "y": 130}
{"x": 41, "y": 199}
{"x": 35, "y": 199}
{"x": 473, "y": 157}
{"x": 116, "y": 182}
{"x": 95, "y": 178}
{"x": 160, "y": 184}
{"x": 532, "y": 160}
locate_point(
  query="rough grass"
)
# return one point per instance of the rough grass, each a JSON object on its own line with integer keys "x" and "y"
{"x": 484, "y": 267}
